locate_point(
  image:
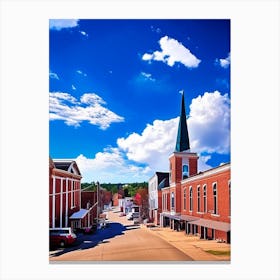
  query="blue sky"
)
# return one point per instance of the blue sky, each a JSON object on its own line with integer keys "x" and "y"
{"x": 114, "y": 94}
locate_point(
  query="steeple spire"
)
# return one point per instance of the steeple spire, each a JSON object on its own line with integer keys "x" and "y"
{"x": 182, "y": 143}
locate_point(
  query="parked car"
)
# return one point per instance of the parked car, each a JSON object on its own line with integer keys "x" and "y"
{"x": 62, "y": 237}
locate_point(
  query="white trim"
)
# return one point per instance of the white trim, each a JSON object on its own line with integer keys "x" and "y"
{"x": 185, "y": 198}
{"x": 215, "y": 215}
{"x": 205, "y": 202}
{"x": 60, "y": 177}
{"x": 207, "y": 173}
{"x": 66, "y": 172}
{"x": 72, "y": 194}
{"x": 190, "y": 199}
{"x": 66, "y": 204}
{"x": 53, "y": 203}
{"x": 217, "y": 200}
{"x": 198, "y": 204}
{"x": 62, "y": 193}
{"x": 172, "y": 208}
{"x": 61, "y": 190}
{"x": 184, "y": 154}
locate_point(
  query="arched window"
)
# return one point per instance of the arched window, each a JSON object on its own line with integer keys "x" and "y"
{"x": 185, "y": 171}
{"x": 204, "y": 198}
{"x": 215, "y": 198}
{"x": 198, "y": 198}
{"x": 172, "y": 200}
{"x": 185, "y": 198}
{"x": 191, "y": 199}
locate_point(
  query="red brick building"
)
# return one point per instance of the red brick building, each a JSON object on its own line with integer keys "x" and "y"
{"x": 65, "y": 204}
{"x": 197, "y": 202}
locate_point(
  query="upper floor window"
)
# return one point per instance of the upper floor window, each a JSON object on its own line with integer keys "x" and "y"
{"x": 198, "y": 198}
{"x": 204, "y": 198}
{"x": 172, "y": 200}
{"x": 185, "y": 171}
{"x": 215, "y": 199}
{"x": 185, "y": 198}
{"x": 191, "y": 199}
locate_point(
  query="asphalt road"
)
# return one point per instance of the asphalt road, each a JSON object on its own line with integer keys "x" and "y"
{"x": 120, "y": 241}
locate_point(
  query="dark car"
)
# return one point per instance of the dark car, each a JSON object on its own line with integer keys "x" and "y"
{"x": 62, "y": 237}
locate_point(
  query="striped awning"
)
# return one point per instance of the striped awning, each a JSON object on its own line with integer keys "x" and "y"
{"x": 212, "y": 224}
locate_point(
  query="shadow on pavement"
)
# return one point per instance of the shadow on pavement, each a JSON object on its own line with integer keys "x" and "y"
{"x": 87, "y": 241}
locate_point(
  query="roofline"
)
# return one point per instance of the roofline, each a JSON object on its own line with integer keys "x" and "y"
{"x": 184, "y": 153}
{"x": 205, "y": 173}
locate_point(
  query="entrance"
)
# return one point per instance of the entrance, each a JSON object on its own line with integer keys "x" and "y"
{"x": 228, "y": 237}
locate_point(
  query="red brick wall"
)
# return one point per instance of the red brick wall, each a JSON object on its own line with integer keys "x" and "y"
{"x": 222, "y": 179}
{"x": 192, "y": 166}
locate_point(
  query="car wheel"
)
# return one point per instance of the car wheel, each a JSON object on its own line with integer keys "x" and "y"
{"x": 62, "y": 243}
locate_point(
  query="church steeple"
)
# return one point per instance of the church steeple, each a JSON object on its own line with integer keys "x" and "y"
{"x": 182, "y": 143}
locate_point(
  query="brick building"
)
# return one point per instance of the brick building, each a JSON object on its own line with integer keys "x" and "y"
{"x": 196, "y": 202}
{"x": 65, "y": 204}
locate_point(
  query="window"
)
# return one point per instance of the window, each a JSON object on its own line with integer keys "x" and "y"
{"x": 191, "y": 199}
{"x": 204, "y": 199}
{"x": 170, "y": 174}
{"x": 185, "y": 171}
{"x": 215, "y": 199}
{"x": 198, "y": 198}
{"x": 172, "y": 200}
{"x": 185, "y": 198}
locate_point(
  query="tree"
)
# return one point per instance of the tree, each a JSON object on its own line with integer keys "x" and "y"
{"x": 141, "y": 198}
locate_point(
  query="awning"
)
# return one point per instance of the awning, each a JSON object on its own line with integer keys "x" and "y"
{"x": 212, "y": 224}
{"x": 173, "y": 217}
{"x": 188, "y": 218}
{"x": 181, "y": 217}
{"x": 79, "y": 214}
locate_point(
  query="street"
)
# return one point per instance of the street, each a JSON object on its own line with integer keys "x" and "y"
{"x": 120, "y": 241}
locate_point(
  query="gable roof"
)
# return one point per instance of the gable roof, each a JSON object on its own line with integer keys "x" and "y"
{"x": 68, "y": 165}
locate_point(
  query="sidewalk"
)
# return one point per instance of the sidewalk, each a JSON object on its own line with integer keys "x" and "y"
{"x": 189, "y": 244}
{"x": 192, "y": 245}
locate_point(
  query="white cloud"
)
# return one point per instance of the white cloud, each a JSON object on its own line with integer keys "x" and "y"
{"x": 53, "y": 75}
{"x": 209, "y": 123}
{"x": 65, "y": 107}
{"x": 153, "y": 145}
{"x": 224, "y": 62}
{"x": 110, "y": 166}
{"x": 138, "y": 156}
{"x": 171, "y": 52}
{"x": 84, "y": 33}
{"x": 208, "y": 127}
{"x": 147, "y": 76}
{"x": 81, "y": 73}
{"x": 58, "y": 24}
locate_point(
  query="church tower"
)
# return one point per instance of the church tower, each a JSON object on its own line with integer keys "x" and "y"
{"x": 183, "y": 163}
